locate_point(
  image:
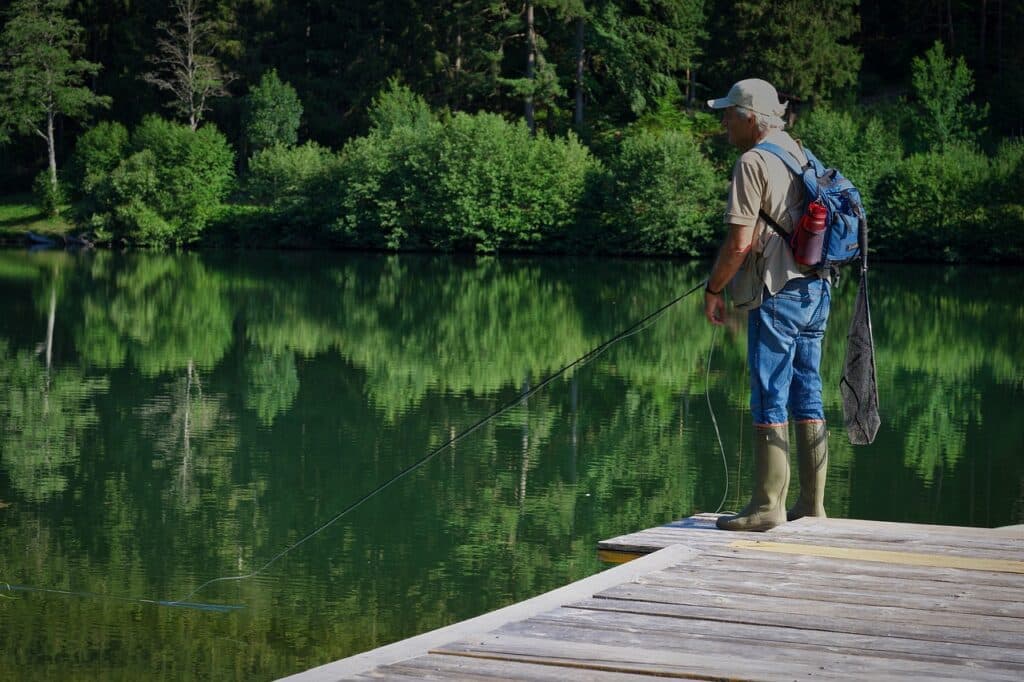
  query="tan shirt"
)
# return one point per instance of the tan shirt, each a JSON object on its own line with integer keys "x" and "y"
{"x": 761, "y": 181}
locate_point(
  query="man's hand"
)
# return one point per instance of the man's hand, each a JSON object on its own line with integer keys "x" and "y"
{"x": 714, "y": 307}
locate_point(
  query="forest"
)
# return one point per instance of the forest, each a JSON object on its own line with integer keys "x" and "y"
{"x": 557, "y": 126}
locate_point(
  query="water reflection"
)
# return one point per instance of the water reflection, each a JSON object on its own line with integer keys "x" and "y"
{"x": 167, "y": 419}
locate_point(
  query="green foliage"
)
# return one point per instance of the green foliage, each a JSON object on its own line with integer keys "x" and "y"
{"x": 662, "y": 195}
{"x": 942, "y": 86}
{"x": 48, "y": 197}
{"x": 933, "y": 205}
{"x": 396, "y": 106}
{"x": 41, "y": 76}
{"x": 472, "y": 182}
{"x": 166, "y": 191}
{"x": 861, "y": 147}
{"x": 98, "y": 152}
{"x": 499, "y": 187}
{"x": 641, "y": 49}
{"x": 802, "y": 47}
{"x": 281, "y": 174}
{"x": 272, "y": 113}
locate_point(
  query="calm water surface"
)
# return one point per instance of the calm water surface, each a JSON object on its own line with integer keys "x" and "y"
{"x": 170, "y": 419}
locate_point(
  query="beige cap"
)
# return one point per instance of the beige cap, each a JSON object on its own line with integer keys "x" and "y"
{"x": 753, "y": 94}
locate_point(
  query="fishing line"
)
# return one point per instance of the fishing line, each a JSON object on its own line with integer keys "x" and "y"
{"x": 137, "y": 600}
{"x": 707, "y": 394}
{"x": 579, "y": 362}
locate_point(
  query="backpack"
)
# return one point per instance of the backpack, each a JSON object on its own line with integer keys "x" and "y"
{"x": 846, "y": 221}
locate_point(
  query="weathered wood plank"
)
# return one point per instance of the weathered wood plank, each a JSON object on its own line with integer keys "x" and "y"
{"x": 1011, "y": 658}
{"x": 859, "y": 551}
{"x": 973, "y": 582}
{"x": 791, "y": 604}
{"x": 446, "y": 667}
{"x": 835, "y": 590}
{"x": 709, "y": 658}
{"x": 888, "y": 535}
{"x": 805, "y": 621}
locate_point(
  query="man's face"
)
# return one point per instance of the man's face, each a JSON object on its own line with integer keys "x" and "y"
{"x": 741, "y": 130}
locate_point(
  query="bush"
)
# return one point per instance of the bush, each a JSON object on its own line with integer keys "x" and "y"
{"x": 272, "y": 113}
{"x": 48, "y": 196}
{"x": 166, "y": 191}
{"x": 499, "y": 187}
{"x": 933, "y": 206}
{"x": 662, "y": 196}
{"x": 862, "y": 148}
{"x": 1001, "y": 234}
{"x": 384, "y": 181}
{"x": 282, "y": 175}
{"x": 298, "y": 185}
{"x": 98, "y": 152}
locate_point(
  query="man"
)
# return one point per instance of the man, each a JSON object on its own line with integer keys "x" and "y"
{"x": 788, "y": 308}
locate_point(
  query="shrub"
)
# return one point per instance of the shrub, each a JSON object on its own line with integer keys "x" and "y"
{"x": 165, "y": 192}
{"x": 396, "y": 106}
{"x": 662, "y": 196}
{"x": 98, "y": 152}
{"x": 499, "y": 187}
{"x": 383, "y": 181}
{"x": 281, "y": 175}
{"x": 272, "y": 113}
{"x": 48, "y": 196}
{"x": 945, "y": 115}
{"x": 932, "y": 207}
{"x": 863, "y": 149}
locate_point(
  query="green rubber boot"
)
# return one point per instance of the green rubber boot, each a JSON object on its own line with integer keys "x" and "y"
{"x": 767, "y": 506}
{"x": 812, "y": 456}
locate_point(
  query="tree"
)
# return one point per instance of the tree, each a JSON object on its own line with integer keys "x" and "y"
{"x": 800, "y": 46}
{"x": 272, "y": 113}
{"x": 183, "y": 66}
{"x": 942, "y": 86}
{"x": 42, "y": 78}
{"x": 639, "y": 50}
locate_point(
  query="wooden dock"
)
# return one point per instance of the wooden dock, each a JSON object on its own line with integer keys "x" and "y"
{"x": 828, "y": 599}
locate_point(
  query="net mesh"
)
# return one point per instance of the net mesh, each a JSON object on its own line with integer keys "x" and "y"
{"x": 857, "y": 385}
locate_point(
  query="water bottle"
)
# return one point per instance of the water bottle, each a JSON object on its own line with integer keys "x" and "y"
{"x": 810, "y": 234}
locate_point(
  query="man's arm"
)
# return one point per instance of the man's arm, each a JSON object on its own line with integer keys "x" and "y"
{"x": 730, "y": 258}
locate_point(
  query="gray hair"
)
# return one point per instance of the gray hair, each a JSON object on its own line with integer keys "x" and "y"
{"x": 764, "y": 122}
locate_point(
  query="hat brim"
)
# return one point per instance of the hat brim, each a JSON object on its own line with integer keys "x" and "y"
{"x": 720, "y": 103}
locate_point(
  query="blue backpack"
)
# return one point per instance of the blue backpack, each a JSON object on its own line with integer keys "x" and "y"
{"x": 846, "y": 222}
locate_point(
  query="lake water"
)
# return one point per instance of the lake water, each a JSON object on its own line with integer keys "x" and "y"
{"x": 166, "y": 420}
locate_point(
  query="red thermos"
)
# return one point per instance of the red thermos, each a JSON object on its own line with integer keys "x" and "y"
{"x": 810, "y": 234}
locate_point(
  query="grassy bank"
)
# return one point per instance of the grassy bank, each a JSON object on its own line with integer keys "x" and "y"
{"x": 19, "y": 215}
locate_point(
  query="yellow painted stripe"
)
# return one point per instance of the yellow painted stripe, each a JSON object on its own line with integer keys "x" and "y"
{"x": 884, "y": 556}
{"x": 612, "y": 556}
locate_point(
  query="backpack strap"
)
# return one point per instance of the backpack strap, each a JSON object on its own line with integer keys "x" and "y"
{"x": 794, "y": 166}
{"x": 791, "y": 162}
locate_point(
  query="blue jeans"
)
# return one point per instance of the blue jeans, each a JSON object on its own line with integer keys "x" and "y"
{"x": 784, "y": 352}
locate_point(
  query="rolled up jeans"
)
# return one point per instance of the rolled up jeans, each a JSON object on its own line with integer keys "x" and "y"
{"x": 784, "y": 352}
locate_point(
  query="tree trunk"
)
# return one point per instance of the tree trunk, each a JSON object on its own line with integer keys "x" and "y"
{"x": 531, "y": 60}
{"x": 51, "y": 150}
{"x": 580, "y": 55}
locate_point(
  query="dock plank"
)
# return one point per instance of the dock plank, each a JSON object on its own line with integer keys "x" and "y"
{"x": 796, "y": 604}
{"x": 687, "y": 657}
{"x": 815, "y": 599}
{"x": 896, "y": 593}
{"x": 982, "y": 584}
{"x": 863, "y": 625}
{"x": 572, "y": 626}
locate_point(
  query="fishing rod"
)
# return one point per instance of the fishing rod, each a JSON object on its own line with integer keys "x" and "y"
{"x": 584, "y": 359}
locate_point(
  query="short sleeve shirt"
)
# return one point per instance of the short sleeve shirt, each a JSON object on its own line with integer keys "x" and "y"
{"x": 762, "y": 182}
